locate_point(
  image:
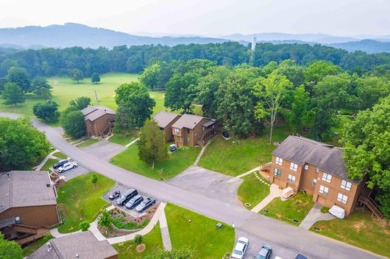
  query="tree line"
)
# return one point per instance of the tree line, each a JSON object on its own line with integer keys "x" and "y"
{"x": 49, "y": 62}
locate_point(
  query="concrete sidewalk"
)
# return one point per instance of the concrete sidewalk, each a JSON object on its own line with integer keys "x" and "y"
{"x": 274, "y": 193}
{"x": 313, "y": 216}
{"x": 244, "y": 174}
{"x": 165, "y": 232}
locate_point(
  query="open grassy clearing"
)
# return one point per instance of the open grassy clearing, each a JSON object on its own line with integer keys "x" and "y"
{"x": 123, "y": 139}
{"x": 235, "y": 157}
{"x": 293, "y": 211}
{"x": 36, "y": 244}
{"x": 152, "y": 241}
{"x": 359, "y": 229}
{"x": 252, "y": 191}
{"x": 199, "y": 233}
{"x": 80, "y": 200}
{"x": 177, "y": 162}
{"x": 60, "y": 155}
{"x": 88, "y": 142}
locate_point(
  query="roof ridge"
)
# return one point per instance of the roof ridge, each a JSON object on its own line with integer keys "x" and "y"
{"x": 10, "y": 190}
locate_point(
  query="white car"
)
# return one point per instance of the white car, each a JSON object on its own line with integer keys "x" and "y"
{"x": 240, "y": 248}
{"x": 67, "y": 166}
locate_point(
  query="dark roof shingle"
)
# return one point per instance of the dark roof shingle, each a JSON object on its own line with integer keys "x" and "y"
{"x": 163, "y": 118}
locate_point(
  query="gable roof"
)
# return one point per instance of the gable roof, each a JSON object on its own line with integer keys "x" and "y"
{"x": 94, "y": 112}
{"x": 163, "y": 118}
{"x": 25, "y": 189}
{"x": 188, "y": 121}
{"x": 302, "y": 150}
{"x": 83, "y": 244}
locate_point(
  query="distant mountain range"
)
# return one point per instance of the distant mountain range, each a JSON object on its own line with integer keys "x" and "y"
{"x": 72, "y": 34}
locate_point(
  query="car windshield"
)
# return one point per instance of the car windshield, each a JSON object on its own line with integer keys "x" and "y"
{"x": 123, "y": 197}
{"x": 237, "y": 252}
{"x": 263, "y": 252}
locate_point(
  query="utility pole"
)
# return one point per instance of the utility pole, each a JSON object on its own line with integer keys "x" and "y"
{"x": 97, "y": 99}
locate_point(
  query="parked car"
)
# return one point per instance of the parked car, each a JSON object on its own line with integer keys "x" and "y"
{"x": 264, "y": 253}
{"x": 300, "y": 256}
{"x": 145, "y": 204}
{"x": 172, "y": 147}
{"x": 60, "y": 163}
{"x": 134, "y": 201}
{"x": 240, "y": 248}
{"x": 67, "y": 166}
{"x": 114, "y": 195}
{"x": 126, "y": 197}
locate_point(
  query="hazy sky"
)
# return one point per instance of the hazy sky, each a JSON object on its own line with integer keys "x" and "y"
{"x": 206, "y": 17}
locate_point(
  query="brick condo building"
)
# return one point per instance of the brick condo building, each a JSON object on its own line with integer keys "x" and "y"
{"x": 316, "y": 168}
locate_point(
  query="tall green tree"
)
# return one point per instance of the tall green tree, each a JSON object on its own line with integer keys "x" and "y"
{"x": 366, "y": 143}
{"x": 298, "y": 113}
{"x": 10, "y": 249}
{"x": 48, "y": 111}
{"x": 73, "y": 124}
{"x": 80, "y": 103}
{"x": 370, "y": 89}
{"x": 77, "y": 75}
{"x": 39, "y": 82}
{"x": 271, "y": 91}
{"x": 151, "y": 143}
{"x": 21, "y": 145}
{"x": 150, "y": 76}
{"x": 19, "y": 76}
{"x": 134, "y": 99}
{"x": 13, "y": 94}
{"x": 95, "y": 78}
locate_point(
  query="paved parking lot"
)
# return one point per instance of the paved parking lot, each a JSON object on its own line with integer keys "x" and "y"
{"x": 209, "y": 183}
{"x": 123, "y": 189}
{"x": 104, "y": 149}
{"x": 72, "y": 173}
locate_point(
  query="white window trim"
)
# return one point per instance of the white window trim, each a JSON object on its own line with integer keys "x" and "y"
{"x": 342, "y": 198}
{"x": 314, "y": 182}
{"x": 176, "y": 130}
{"x": 277, "y": 172}
{"x": 291, "y": 178}
{"x": 306, "y": 167}
{"x": 326, "y": 177}
{"x": 279, "y": 161}
{"x": 346, "y": 185}
{"x": 293, "y": 166}
{"x": 324, "y": 190}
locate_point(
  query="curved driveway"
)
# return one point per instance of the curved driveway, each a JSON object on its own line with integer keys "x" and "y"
{"x": 283, "y": 234}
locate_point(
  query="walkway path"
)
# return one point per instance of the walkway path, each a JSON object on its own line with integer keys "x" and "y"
{"x": 244, "y": 174}
{"x": 132, "y": 142}
{"x": 274, "y": 193}
{"x": 201, "y": 153}
{"x": 38, "y": 168}
{"x": 313, "y": 216}
{"x": 165, "y": 232}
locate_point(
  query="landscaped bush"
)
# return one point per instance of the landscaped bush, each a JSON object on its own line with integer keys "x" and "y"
{"x": 84, "y": 225}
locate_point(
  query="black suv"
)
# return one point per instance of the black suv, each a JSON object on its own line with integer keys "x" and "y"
{"x": 60, "y": 163}
{"x": 126, "y": 197}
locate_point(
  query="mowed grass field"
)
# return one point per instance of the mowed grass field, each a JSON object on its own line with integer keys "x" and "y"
{"x": 65, "y": 89}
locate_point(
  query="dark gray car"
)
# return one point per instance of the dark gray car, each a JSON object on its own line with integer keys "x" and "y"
{"x": 126, "y": 197}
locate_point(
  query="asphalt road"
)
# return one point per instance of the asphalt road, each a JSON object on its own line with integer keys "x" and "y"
{"x": 273, "y": 231}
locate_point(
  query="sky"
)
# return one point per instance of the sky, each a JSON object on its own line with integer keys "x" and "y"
{"x": 206, "y": 17}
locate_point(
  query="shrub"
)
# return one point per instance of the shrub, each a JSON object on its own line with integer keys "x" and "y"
{"x": 138, "y": 239}
{"x": 84, "y": 225}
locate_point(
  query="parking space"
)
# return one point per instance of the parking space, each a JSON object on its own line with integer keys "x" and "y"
{"x": 104, "y": 149}
{"x": 131, "y": 212}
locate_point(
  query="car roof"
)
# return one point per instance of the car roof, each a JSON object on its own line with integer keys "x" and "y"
{"x": 243, "y": 239}
{"x": 240, "y": 246}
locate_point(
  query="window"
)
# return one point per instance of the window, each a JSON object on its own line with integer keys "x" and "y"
{"x": 291, "y": 178}
{"x": 345, "y": 185}
{"x": 277, "y": 172}
{"x": 176, "y": 130}
{"x": 317, "y": 169}
{"x": 293, "y": 166}
{"x": 279, "y": 160}
{"x": 314, "y": 182}
{"x": 306, "y": 167}
{"x": 324, "y": 190}
{"x": 342, "y": 198}
{"x": 326, "y": 177}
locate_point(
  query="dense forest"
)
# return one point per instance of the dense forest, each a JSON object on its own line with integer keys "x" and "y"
{"x": 54, "y": 62}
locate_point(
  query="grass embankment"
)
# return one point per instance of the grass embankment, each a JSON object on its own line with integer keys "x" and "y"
{"x": 80, "y": 200}
{"x": 152, "y": 241}
{"x": 48, "y": 165}
{"x": 199, "y": 233}
{"x": 359, "y": 229}
{"x": 293, "y": 210}
{"x": 88, "y": 142}
{"x": 252, "y": 191}
{"x": 237, "y": 156}
{"x": 36, "y": 244}
{"x": 175, "y": 164}
{"x": 123, "y": 139}
{"x": 60, "y": 155}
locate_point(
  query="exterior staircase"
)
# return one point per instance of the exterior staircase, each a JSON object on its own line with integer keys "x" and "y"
{"x": 39, "y": 234}
{"x": 29, "y": 233}
{"x": 372, "y": 206}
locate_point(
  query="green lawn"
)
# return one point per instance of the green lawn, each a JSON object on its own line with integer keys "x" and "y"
{"x": 152, "y": 241}
{"x": 235, "y": 157}
{"x": 295, "y": 208}
{"x": 199, "y": 233}
{"x": 36, "y": 244}
{"x": 252, "y": 191}
{"x": 359, "y": 229}
{"x": 177, "y": 162}
{"x": 80, "y": 200}
{"x": 88, "y": 142}
{"x": 122, "y": 139}
{"x": 49, "y": 163}
{"x": 65, "y": 89}
{"x": 60, "y": 155}
{"x": 119, "y": 223}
